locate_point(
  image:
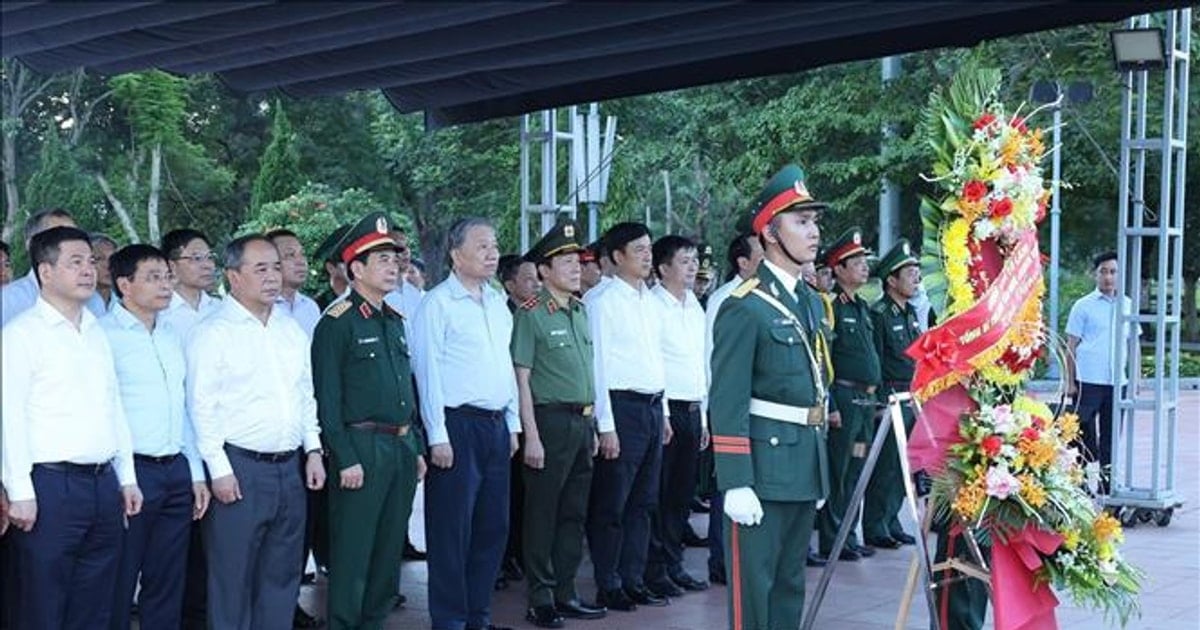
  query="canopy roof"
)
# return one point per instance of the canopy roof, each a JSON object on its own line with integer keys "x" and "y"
{"x": 462, "y": 62}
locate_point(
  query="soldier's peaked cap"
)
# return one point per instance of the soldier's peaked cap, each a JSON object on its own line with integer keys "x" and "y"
{"x": 784, "y": 192}
{"x": 848, "y": 245}
{"x": 563, "y": 238}
{"x": 371, "y": 231}
{"x": 898, "y": 257}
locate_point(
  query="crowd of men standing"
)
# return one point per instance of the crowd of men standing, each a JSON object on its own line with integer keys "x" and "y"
{"x": 192, "y": 444}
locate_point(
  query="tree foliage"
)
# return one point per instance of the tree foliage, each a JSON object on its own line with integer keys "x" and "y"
{"x": 279, "y": 174}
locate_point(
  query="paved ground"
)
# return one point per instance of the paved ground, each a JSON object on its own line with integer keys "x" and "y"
{"x": 866, "y": 595}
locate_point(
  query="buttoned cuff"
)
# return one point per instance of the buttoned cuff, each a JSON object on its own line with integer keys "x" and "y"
{"x": 219, "y": 466}
{"x": 312, "y": 441}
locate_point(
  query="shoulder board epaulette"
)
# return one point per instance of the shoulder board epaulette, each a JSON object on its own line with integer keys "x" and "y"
{"x": 387, "y": 308}
{"x": 880, "y": 306}
{"x": 339, "y": 309}
{"x": 745, "y": 288}
{"x": 529, "y": 304}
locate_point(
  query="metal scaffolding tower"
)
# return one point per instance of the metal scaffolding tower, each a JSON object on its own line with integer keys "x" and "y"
{"x": 1155, "y": 230}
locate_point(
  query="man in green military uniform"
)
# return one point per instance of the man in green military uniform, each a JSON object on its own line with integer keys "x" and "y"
{"x": 366, "y": 405}
{"x": 767, "y": 406}
{"x": 855, "y": 379}
{"x": 552, "y": 352}
{"x": 896, "y": 328}
{"x": 335, "y": 270}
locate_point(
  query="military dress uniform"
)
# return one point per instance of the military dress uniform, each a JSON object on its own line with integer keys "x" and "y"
{"x": 767, "y": 406}
{"x": 856, "y": 378}
{"x": 896, "y": 328}
{"x": 366, "y": 406}
{"x": 551, "y": 339}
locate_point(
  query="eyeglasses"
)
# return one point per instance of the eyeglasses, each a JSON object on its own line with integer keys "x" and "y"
{"x": 197, "y": 258}
{"x": 158, "y": 278}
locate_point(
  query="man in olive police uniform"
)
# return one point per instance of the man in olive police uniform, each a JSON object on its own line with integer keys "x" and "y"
{"x": 896, "y": 328}
{"x": 767, "y": 407}
{"x": 366, "y": 406}
{"x": 855, "y": 380}
{"x": 552, "y": 352}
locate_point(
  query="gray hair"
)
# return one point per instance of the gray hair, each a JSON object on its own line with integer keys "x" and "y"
{"x": 37, "y": 221}
{"x": 237, "y": 248}
{"x": 456, "y": 237}
{"x": 100, "y": 237}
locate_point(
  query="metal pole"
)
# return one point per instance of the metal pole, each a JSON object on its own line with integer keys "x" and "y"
{"x": 1055, "y": 217}
{"x": 889, "y": 194}
{"x": 667, "y": 186}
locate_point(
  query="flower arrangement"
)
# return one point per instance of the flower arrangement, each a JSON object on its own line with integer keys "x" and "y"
{"x": 1009, "y": 471}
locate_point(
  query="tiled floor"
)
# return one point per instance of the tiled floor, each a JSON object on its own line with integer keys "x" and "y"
{"x": 865, "y": 595}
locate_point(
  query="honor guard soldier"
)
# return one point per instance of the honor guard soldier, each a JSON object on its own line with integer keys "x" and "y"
{"x": 552, "y": 352}
{"x": 856, "y": 377}
{"x": 366, "y": 405}
{"x": 896, "y": 328}
{"x": 335, "y": 270}
{"x": 767, "y": 404}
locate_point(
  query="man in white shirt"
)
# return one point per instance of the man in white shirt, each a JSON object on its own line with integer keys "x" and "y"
{"x": 103, "y": 247}
{"x": 631, "y": 418}
{"x": 406, "y": 297}
{"x": 250, "y": 395}
{"x": 67, "y": 458}
{"x": 302, "y": 308}
{"x": 193, "y": 263}
{"x": 468, "y": 397}
{"x": 148, "y": 356}
{"x": 1090, "y": 378}
{"x": 21, "y": 294}
{"x": 681, "y": 317}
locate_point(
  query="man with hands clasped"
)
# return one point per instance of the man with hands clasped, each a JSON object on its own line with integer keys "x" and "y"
{"x": 767, "y": 405}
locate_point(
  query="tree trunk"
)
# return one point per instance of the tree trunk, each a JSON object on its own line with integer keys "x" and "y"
{"x": 10, "y": 186}
{"x": 155, "y": 190}
{"x": 119, "y": 207}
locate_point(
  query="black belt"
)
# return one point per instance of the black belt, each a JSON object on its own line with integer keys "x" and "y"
{"x": 477, "y": 412}
{"x": 630, "y": 395}
{"x": 78, "y": 469}
{"x": 399, "y": 430}
{"x": 688, "y": 406}
{"x": 281, "y": 456}
{"x": 860, "y": 386}
{"x": 156, "y": 459}
{"x": 898, "y": 385}
{"x": 571, "y": 408}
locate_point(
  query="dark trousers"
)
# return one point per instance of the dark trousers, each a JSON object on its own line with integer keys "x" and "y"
{"x": 885, "y": 490}
{"x": 156, "y": 547}
{"x": 845, "y": 465}
{"x": 625, "y": 494}
{"x": 962, "y": 604}
{"x": 716, "y": 532}
{"x": 316, "y": 526}
{"x": 1095, "y": 411}
{"x": 65, "y": 565}
{"x": 466, "y": 520}
{"x": 766, "y": 566}
{"x": 195, "y": 583}
{"x": 677, "y": 487}
{"x": 516, "y": 505}
{"x": 252, "y": 545}
{"x": 556, "y": 499}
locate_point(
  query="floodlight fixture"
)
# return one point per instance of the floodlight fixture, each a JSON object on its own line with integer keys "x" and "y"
{"x": 1136, "y": 49}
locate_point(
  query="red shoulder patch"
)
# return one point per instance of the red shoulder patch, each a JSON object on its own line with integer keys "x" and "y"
{"x": 529, "y": 304}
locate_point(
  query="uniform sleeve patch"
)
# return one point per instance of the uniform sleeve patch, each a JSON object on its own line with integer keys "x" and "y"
{"x": 339, "y": 309}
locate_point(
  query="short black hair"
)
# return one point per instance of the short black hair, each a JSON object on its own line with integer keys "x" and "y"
{"x": 173, "y": 242}
{"x": 44, "y": 246}
{"x": 418, "y": 263}
{"x": 280, "y": 233}
{"x": 1101, "y": 258}
{"x": 508, "y": 266}
{"x": 665, "y": 248}
{"x": 5, "y": 248}
{"x": 620, "y": 235}
{"x": 739, "y": 247}
{"x": 124, "y": 262}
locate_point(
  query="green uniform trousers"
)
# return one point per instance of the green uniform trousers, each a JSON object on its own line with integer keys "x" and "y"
{"x": 367, "y": 527}
{"x": 961, "y": 605}
{"x": 766, "y": 566}
{"x": 556, "y": 501}
{"x": 845, "y": 466}
{"x": 885, "y": 490}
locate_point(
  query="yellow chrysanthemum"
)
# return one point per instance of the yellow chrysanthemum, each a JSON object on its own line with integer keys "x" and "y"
{"x": 1071, "y": 539}
{"x": 957, "y": 256}
{"x": 1032, "y": 491}
{"x": 1068, "y": 427}
{"x": 1039, "y": 454}
{"x": 1107, "y": 529}
{"x": 969, "y": 501}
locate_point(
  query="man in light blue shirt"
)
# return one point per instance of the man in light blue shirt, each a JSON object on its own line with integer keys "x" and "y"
{"x": 149, "y": 361}
{"x": 468, "y": 393}
{"x": 20, "y": 295}
{"x": 1090, "y": 378}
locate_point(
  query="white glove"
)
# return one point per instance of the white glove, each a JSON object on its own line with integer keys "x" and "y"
{"x": 820, "y": 503}
{"x": 743, "y": 507}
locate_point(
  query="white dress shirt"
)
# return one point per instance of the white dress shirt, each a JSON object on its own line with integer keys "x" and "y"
{"x": 182, "y": 317}
{"x": 151, "y": 372}
{"x": 591, "y": 293}
{"x": 249, "y": 385}
{"x": 1091, "y": 320}
{"x": 406, "y": 300}
{"x": 461, "y": 356}
{"x": 715, "y": 300}
{"x": 60, "y": 399}
{"x": 682, "y": 337}
{"x": 303, "y": 309}
{"x": 624, "y": 323}
{"x": 21, "y": 294}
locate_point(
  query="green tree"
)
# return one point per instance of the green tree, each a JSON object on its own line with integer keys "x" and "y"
{"x": 279, "y": 174}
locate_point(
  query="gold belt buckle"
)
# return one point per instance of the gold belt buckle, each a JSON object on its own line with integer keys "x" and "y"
{"x": 816, "y": 415}
{"x": 870, "y": 389}
{"x": 587, "y": 411}
{"x": 403, "y": 431}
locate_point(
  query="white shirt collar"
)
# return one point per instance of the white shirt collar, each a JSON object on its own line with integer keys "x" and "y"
{"x": 54, "y": 317}
{"x": 789, "y": 281}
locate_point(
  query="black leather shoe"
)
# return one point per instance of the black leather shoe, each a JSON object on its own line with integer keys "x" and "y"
{"x": 847, "y": 555}
{"x": 512, "y": 570}
{"x": 399, "y": 602}
{"x": 863, "y": 551}
{"x": 717, "y": 575}
{"x": 904, "y": 539}
{"x": 643, "y": 597}
{"x": 692, "y": 539}
{"x": 814, "y": 560}
{"x": 883, "y": 543}
{"x": 301, "y": 619}
{"x": 664, "y": 588}
{"x": 412, "y": 553}
{"x": 544, "y": 617}
{"x": 689, "y": 583}
{"x": 615, "y": 599}
{"x": 576, "y": 609}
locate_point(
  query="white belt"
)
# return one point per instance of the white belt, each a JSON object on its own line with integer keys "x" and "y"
{"x": 807, "y": 416}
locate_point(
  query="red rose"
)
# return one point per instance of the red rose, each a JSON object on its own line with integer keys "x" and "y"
{"x": 1030, "y": 434}
{"x": 1041, "y": 212}
{"x": 984, "y": 120}
{"x": 974, "y": 190}
{"x": 1039, "y": 423}
{"x": 1000, "y": 208}
{"x": 991, "y": 445}
{"x": 1019, "y": 125}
